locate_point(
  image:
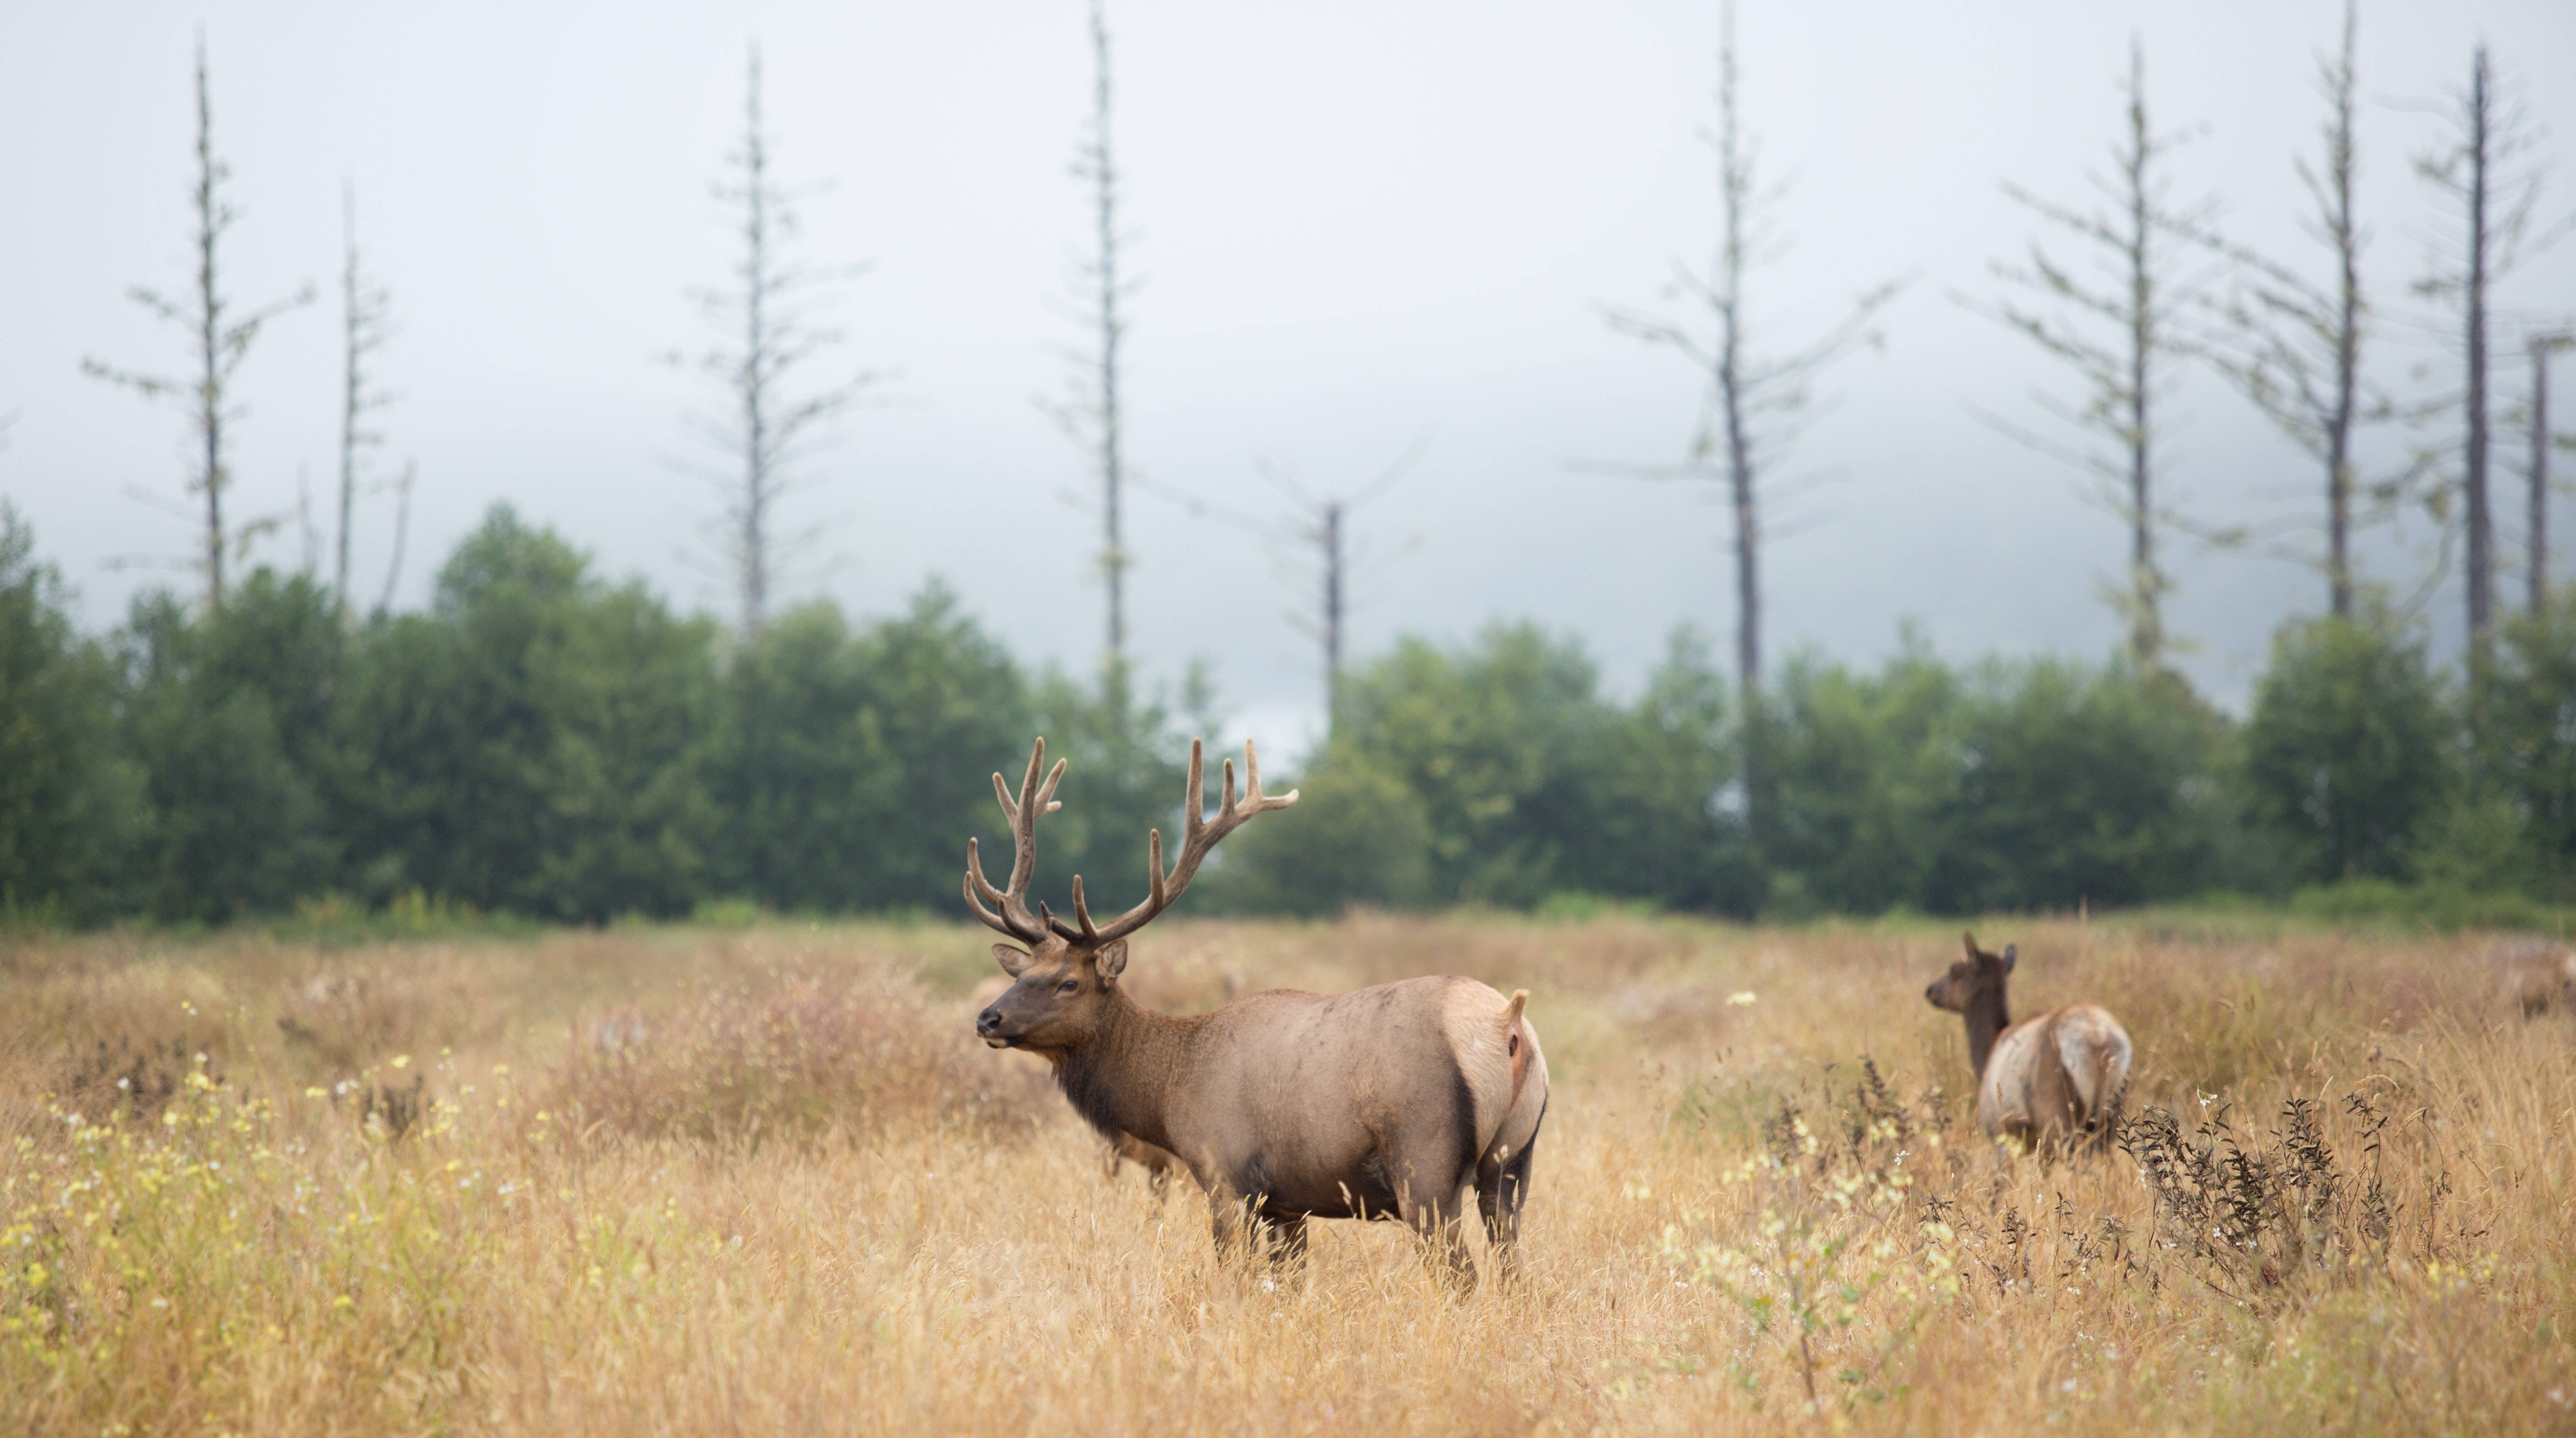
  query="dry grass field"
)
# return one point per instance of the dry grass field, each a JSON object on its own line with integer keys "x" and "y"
{"x": 692, "y": 1181}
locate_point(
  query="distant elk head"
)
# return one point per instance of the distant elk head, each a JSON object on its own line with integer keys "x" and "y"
{"x": 1974, "y": 982}
{"x": 2057, "y": 1080}
{"x": 1067, "y": 970}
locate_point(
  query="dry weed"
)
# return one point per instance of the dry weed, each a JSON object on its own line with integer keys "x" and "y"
{"x": 1759, "y": 1201}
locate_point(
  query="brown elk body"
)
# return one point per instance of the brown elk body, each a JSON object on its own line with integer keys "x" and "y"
{"x": 2057, "y": 1080}
{"x": 2538, "y": 977}
{"x": 1387, "y": 1103}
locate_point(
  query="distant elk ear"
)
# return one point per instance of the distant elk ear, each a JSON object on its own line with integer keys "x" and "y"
{"x": 1970, "y": 939}
{"x": 1112, "y": 959}
{"x": 2011, "y": 952}
{"x": 1011, "y": 959}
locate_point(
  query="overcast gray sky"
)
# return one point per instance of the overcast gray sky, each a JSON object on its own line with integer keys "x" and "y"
{"x": 1358, "y": 226}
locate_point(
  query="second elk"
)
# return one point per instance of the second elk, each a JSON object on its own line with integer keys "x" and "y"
{"x": 1387, "y": 1103}
{"x": 2058, "y": 1080}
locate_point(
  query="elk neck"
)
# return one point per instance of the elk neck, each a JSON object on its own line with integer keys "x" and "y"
{"x": 1986, "y": 1022}
{"x": 1120, "y": 1080}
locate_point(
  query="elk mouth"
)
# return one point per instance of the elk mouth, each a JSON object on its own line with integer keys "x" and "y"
{"x": 988, "y": 1027}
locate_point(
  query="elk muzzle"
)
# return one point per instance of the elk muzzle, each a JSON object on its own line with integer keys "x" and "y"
{"x": 988, "y": 1027}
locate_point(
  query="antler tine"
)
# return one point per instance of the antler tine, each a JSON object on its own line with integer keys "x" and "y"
{"x": 1252, "y": 781}
{"x": 1199, "y": 836}
{"x": 1014, "y": 918}
{"x": 1194, "y": 809}
{"x": 1082, "y": 911}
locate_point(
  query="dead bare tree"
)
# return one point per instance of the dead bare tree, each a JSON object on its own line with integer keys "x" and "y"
{"x": 365, "y": 323}
{"x": 402, "y": 531}
{"x": 1755, "y": 402}
{"x": 1315, "y": 544}
{"x": 2543, "y": 439}
{"x": 219, "y": 340}
{"x": 1321, "y": 535}
{"x": 2293, "y": 346}
{"x": 768, "y": 317}
{"x": 2489, "y": 174}
{"x": 2140, "y": 239}
{"x": 1092, "y": 413}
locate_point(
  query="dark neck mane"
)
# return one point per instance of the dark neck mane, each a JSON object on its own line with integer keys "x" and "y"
{"x": 1118, "y": 1080}
{"x": 1986, "y": 1021}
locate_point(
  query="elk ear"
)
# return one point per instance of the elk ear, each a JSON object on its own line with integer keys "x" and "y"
{"x": 2011, "y": 952}
{"x": 1011, "y": 959}
{"x": 1111, "y": 960}
{"x": 1970, "y": 939}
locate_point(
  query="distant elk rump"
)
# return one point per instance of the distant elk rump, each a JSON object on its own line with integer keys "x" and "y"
{"x": 2058, "y": 1080}
{"x": 1389, "y": 1102}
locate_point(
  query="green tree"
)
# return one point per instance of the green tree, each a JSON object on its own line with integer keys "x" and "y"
{"x": 2349, "y": 751}
{"x": 70, "y": 803}
{"x": 538, "y": 741}
{"x": 2527, "y": 752}
{"x": 1484, "y": 739}
{"x": 851, "y": 767}
{"x": 1869, "y": 775}
{"x": 2080, "y": 784}
{"x": 1356, "y": 835}
{"x": 231, "y": 719}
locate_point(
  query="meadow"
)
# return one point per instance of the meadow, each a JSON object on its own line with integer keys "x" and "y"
{"x": 761, "y": 1179}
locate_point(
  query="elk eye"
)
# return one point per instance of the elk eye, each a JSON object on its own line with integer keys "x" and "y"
{"x": 1068, "y": 986}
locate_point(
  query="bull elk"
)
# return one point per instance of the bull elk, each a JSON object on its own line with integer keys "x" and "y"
{"x": 2058, "y": 1080}
{"x": 1385, "y": 1103}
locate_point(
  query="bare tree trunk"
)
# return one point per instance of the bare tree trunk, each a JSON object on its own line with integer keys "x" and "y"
{"x": 765, "y": 319}
{"x": 362, "y": 318}
{"x": 210, "y": 329}
{"x": 1735, "y": 195}
{"x": 1332, "y": 613}
{"x": 217, "y": 341}
{"x": 2346, "y": 238}
{"x": 1101, "y": 168}
{"x": 2539, "y": 538}
{"x": 2473, "y": 479}
{"x": 351, "y": 392}
{"x": 2118, "y": 337}
{"x": 1754, "y": 401}
{"x": 402, "y": 532}
{"x": 2147, "y": 583}
{"x": 2293, "y": 346}
{"x": 752, "y": 574}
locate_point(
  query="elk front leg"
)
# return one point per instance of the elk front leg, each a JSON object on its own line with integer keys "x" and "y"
{"x": 1287, "y": 1240}
{"x": 1230, "y": 1222}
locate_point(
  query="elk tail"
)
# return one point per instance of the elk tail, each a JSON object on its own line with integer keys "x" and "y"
{"x": 1515, "y": 1045}
{"x": 2108, "y": 1100}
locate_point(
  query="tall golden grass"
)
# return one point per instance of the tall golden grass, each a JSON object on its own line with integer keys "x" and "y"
{"x": 679, "y": 1181}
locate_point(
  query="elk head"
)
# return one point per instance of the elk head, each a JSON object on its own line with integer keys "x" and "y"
{"x": 1067, "y": 972}
{"x": 1975, "y": 981}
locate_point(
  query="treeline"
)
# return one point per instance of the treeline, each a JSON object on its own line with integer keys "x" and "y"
{"x": 544, "y": 742}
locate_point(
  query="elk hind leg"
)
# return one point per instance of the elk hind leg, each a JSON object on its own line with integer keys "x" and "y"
{"x": 1502, "y": 1186}
{"x": 1286, "y": 1240}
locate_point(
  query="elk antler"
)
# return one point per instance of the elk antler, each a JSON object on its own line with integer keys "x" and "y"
{"x": 1015, "y": 918}
{"x": 1197, "y": 838}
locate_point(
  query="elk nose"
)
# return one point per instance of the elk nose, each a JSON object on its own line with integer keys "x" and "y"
{"x": 1931, "y": 993}
{"x": 987, "y": 1021}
